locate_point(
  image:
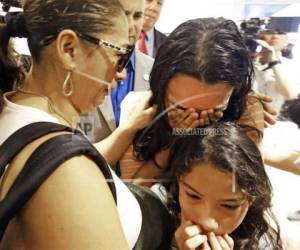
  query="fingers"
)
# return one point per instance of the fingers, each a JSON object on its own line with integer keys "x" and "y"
{"x": 219, "y": 242}
{"x": 205, "y": 246}
{"x": 213, "y": 242}
{"x": 191, "y": 231}
{"x": 188, "y": 236}
{"x": 224, "y": 245}
{"x": 177, "y": 116}
{"x": 146, "y": 96}
{"x": 204, "y": 118}
{"x": 214, "y": 115}
{"x": 268, "y": 120}
{"x": 189, "y": 119}
{"x": 262, "y": 97}
{"x": 195, "y": 242}
{"x": 269, "y": 109}
{"x": 183, "y": 119}
{"x": 229, "y": 241}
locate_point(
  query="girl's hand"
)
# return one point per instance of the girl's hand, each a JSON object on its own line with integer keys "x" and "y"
{"x": 189, "y": 118}
{"x": 214, "y": 242}
{"x": 188, "y": 236}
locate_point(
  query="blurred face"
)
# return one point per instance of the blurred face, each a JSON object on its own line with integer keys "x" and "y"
{"x": 98, "y": 63}
{"x": 152, "y": 12}
{"x": 207, "y": 198}
{"x": 134, "y": 10}
{"x": 192, "y": 93}
{"x": 278, "y": 41}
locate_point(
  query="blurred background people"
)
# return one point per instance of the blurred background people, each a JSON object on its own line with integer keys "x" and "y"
{"x": 151, "y": 39}
{"x": 275, "y": 75}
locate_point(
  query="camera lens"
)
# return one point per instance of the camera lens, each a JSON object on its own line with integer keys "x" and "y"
{"x": 252, "y": 45}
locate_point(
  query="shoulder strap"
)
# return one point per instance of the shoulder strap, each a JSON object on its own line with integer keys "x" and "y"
{"x": 18, "y": 140}
{"x": 41, "y": 164}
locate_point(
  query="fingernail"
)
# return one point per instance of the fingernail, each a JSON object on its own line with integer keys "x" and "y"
{"x": 196, "y": 241}
{"x": 192, "y": 230}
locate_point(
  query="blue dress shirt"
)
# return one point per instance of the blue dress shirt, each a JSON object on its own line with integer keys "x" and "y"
{"x": 123, "y": 88}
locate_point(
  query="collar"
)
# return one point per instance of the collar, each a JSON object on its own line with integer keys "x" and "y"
{"x": 150, "y": 34}
{"x": 131, "y": 63}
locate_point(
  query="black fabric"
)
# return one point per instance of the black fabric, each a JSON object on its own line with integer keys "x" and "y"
{"x": 16, "y": 24}
{"x": 159, "y": 39}
{"x": 157, "y": 226}
{"x": 18, "y": 140}
{"x": 42, "y": 163}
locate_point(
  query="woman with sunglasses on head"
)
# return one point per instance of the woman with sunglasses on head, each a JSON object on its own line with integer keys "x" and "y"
{"x": 219, "y": 193}
{"x": 79, "y": 50}
{"x": 202, "y": 73}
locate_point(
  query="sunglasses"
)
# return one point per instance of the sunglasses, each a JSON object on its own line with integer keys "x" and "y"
{"x": 125, "y": 52}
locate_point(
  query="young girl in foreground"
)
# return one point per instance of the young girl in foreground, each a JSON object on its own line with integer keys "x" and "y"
{"x": 219, "y": 194}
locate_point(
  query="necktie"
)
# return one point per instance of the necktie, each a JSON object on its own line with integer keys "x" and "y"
{"x": 142, "y": 43}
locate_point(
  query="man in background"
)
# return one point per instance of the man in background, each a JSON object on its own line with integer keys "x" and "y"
{"x": 101, "y": 122}
{"x": 151, "y": 39}
{"x": 275, "y": 75}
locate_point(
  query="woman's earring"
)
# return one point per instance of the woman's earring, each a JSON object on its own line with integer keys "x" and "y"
{"x": 68, "y": 88}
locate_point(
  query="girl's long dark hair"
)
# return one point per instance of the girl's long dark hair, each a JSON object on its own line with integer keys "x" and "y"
{"x": 211, "y": 50}
{"x": 227, "y": 146}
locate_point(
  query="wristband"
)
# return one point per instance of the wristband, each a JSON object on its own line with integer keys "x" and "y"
{"x": 272, "y": 64}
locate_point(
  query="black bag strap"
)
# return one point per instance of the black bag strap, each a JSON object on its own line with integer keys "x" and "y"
{"x": 18, "y": 140}
{"x": 41, "y": 164}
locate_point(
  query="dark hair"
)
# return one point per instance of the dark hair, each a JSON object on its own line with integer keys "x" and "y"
{"x": 211, "y": 50}
{"x": 41, "y": 23}
{"x": 228, "y": 147}
{"x": 293, "y": 111}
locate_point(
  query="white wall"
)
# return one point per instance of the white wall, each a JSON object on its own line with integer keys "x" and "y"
{"x": 177, "y": 11}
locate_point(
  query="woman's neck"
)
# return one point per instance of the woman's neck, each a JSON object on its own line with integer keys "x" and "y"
{"x": 44, "y": 91}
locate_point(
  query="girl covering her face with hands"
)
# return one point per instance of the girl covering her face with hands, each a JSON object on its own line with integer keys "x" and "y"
{"x": 202, "y": 73}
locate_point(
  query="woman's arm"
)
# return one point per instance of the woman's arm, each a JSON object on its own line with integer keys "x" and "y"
{"x": 73, "y": 208}
{"x": 134, "y": 117}
{"x": 284, "y": 160}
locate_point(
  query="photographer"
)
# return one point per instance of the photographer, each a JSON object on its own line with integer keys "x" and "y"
{"x": 274, "y": 74}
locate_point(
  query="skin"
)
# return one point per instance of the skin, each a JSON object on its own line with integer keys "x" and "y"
{"x": 207, "y": 199}
{"x": 199, "y": 110}
{"x": 134, "y": 10}
{"x": 142, "y": 114}
{"x": 204, "y": 96}
{"x": 49, "y": 214}
{"x": 196, "y": 101}
{"x": 210, "y": 210}
{"x": 74, "y": 53}
{"x": 152, "y": 13}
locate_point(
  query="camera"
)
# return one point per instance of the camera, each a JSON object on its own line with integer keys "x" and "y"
{"x": 252, "y": 26}
{"x": 6, "y": 4}
{"x": 250, "y": 30}
{"x": 252, "y": 45}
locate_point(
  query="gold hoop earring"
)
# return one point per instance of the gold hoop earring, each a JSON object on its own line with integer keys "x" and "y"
{"x": 67, "y": 88}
